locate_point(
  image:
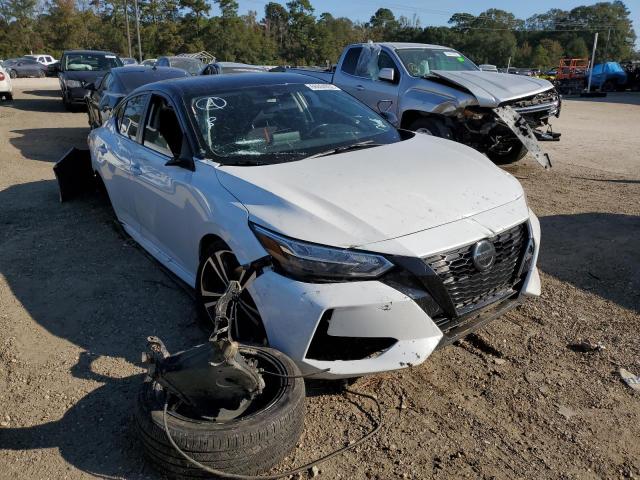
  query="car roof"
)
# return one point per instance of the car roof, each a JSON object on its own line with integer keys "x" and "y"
{"x": 405, "y": 45}
{"x": 102, "y": 52}
{"x": 137, "y": 69}
{"x": 203, "y": 84}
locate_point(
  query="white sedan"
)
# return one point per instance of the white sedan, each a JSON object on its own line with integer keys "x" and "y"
{"x": 383, "y": 244}
{"x": 6, "y": 87}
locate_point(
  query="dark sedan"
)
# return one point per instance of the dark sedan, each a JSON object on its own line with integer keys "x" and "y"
{"x": 25, "y": 67}
{"x": 106, "y": 94}
{"x": 78, "y": 68}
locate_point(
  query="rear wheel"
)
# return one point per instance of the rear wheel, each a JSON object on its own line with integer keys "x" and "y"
{"x": 40, "y": 74}
{"x": 217, "y": 268}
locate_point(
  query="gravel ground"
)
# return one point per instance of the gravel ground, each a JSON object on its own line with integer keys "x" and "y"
{"x": 77, "y": 300}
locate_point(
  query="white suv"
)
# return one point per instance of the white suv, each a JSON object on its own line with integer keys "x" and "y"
{"x": 43, "y": 59}
{"x": 6, "y": 88}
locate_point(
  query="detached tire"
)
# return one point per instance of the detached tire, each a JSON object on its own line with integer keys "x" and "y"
{"x": 248, "y": 445}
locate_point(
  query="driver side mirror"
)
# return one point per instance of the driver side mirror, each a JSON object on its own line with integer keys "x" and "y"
{"x": 386, "y": 74}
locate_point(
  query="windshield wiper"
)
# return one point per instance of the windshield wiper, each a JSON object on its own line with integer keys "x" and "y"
{"x": 346, "y": 148}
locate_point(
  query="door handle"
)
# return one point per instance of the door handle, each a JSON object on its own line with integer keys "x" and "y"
{"x": 103, "y": 149}
{"x": 360, "y": 87}
{"x": 135, "y": 169}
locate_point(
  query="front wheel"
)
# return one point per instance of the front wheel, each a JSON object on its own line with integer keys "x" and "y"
{"x": 13, "y": 74}
{"x": 507, "y": 152}
{"x": 217, "y": 268}
{"x": 41, "y": 74}
{"x": 252, "y": 443}
{"x": 431, "y": 126}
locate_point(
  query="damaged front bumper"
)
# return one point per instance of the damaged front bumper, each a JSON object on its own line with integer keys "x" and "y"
{"x": 364, "y": 327}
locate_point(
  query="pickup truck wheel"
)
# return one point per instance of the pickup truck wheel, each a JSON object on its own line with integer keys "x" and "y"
{"x": 510, "y": 153}
{"x": 431, "y": 126}
{"x": 249, "y": 444}
{"x": 219, "y": 266}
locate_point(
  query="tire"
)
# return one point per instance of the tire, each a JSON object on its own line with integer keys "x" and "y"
{"x": 41, "y": 74}
{"x": 431, "y": 126}
{"x": 218, "y": 257}
{"x": 249, "y": 445}
{"x": 13, "y": 74}
{"x": 516, "y": 152}
{"x": 608, "y": 86}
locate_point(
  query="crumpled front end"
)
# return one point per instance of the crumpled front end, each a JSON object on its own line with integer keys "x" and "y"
{"x": 432, "y": 297}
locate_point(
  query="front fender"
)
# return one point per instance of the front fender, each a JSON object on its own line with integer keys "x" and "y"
{"x": 441, "y": 101}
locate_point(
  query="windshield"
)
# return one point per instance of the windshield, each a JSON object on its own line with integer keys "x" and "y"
{"x": 90, "y": 62}
{"x": 280, "y": 123}
{"x": 420, "y": 61}
{"x": 191, "y": 65}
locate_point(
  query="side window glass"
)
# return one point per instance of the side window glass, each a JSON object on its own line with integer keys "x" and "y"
{"x": 385, "y": 61}
{"x": 131, "y": 116}
{"x": 162, "y": 131}
{"x": 351, "y": 60}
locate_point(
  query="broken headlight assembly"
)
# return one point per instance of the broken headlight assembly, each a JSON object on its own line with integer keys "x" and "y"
{"x": 310, "y": 261}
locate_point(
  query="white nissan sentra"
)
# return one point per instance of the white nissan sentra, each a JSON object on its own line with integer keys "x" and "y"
{"x": 383, "y": 244}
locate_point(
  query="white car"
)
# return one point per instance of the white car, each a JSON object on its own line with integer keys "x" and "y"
{"x": 6, "y": 88}
{"x": 382, "y": 244}
{"x": 43, "y": 59}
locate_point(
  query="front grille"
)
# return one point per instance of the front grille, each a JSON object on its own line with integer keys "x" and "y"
{"x": 543, "y": 98}
{"x": 470, "y": 288}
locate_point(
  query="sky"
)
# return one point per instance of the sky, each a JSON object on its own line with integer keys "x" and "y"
{"x": 438, "y": 12}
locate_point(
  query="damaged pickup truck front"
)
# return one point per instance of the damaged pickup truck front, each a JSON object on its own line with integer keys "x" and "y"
{"x": 438, "y": 91}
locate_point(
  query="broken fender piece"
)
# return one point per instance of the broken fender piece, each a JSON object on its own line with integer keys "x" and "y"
{"x": 74, "y": 174}
{"x": 522, "y": 130}
{"x": 630, "y": 379}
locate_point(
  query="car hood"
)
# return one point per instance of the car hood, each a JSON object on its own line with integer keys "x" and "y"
{"x": 491, "y": 89}
{"x": 85, "y": 77}
{"x": 355, "y": 198}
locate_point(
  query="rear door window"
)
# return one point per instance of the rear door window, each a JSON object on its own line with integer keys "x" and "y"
{"x": 129, "y": 123}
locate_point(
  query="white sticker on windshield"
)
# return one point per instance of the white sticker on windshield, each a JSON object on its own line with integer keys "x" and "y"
{"x": 211, "y": 103}
{"x": 321, "y": 86}
{"x": 452, "y": 54}
{"x": 109, "y": 56}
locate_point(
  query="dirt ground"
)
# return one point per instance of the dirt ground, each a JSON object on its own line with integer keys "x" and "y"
{"x": 77, "y": 300}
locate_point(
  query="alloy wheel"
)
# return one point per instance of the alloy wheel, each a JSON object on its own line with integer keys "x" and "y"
{"x": 217, "y": 270}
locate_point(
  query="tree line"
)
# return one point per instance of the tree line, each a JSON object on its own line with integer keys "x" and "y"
{"x": 295, "y": 34}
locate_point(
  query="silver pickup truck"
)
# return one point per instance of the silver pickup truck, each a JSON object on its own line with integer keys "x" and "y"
{"x": 438, "y": 91}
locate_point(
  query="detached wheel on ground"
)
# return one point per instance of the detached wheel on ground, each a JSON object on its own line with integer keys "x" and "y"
{"x": 431, "y": 126}
{"x": 507, "y": 152}
{"x": 217, "y": 268}
{"x": 251, "y": 444}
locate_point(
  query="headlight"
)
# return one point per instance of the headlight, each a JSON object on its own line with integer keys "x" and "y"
{"x": 74, "y": 84}
{"x": 311, "y": 261}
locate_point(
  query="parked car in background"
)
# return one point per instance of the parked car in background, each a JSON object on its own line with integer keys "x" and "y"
{"x": 129, "y": 61}
{"x": 438, "y": 91}
{"x": 43, "y": 59}
{"x": 149, "y": 62}
{"x": 191, "y": 65}
{"x": 608, "y": 77}
{"x": 25, "y": 67}
{"x": 485, "y": 67}
{"x": 219, "y": 68}
{"x": 80, "y": 67}
{"x": 6, "y": 87}
{"x": 117, "y": 83}
{"x": 213, "y": 172}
